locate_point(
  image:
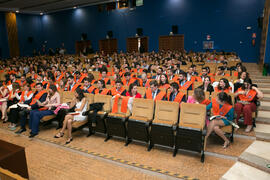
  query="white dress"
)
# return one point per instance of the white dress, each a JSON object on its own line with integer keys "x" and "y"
{"x": 80, "y": 117}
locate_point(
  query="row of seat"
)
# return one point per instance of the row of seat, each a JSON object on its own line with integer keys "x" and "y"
{"x": 152, "y": 122}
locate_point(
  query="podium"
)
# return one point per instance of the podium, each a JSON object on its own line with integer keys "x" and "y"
{"x": 173, "y": 42}
{"x": 81, "y": 45}
{"x": 12, "y": 158}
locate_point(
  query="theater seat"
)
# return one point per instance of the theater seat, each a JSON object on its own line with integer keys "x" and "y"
{"x": 191, "y": 131}
{"x": 140, "y": 120}
{"x": 101, "y": 115}
{"x": 164, "y": 124}
{"x": 116, "y": 121}
{"x": 80, "y": 124}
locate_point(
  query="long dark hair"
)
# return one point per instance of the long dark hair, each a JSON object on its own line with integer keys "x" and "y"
{"x": 79, "y": 91}
{"x": 102, "y": 82}
{"x": 248, "y": 81}
{"x": 227, "y": 85}
{"x": 131, "y": 87}
{"x": 224, "y": 97}
{"x": 166, "y": 81}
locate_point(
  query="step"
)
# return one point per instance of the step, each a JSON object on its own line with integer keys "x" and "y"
{"x": 264, "y": 114}
{"x": 257, "y": 76}
{"x": 261, "y": 120}
{"x": 257, "y": 155}
{"x": 265, "y": 90}
{"x": 260, "y": 80}
{"x": 264, "y": 108}
{"x": 265, "y": 103}
{"x": 263, "y": 85}
{"x": 262, "y": 132}
{"x": 243, "y": 171}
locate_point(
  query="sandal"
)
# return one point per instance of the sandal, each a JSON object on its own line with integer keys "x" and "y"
{"x": 69, "y": 140}
{"x": 58, "y": 135}
{"x": 226, "y": 144}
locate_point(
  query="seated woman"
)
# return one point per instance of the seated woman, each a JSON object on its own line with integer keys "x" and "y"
{"x": 224, "y": 111}
{"x": 198, "y": 97}
{"x": 101, "y": 88}
{"x": 11, "y": 98}
{"x": 239, "y": 82}
{"x": 223, "y": 86}
{"x": 132, "y": 91}
{"x": 62, "y": 84}
{"x": 207, "y": 86}
{"x": 3, "y": 104}
{"x": 23, "y": 97}
{"x": 246, "y": 97}
{"x": 80, "y": 104}
{"x": 52, "y": 100}
{"x": 164, "y": 82}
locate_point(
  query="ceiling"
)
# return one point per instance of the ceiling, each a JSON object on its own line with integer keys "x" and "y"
{"x": 45, "y": 6}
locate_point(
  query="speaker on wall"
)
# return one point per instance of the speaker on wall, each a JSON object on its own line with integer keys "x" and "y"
{"x": 140, "y": 31}
{"x": 30, "y": 39}
{"x": 84, "y": 37}
{"x": 175, "y": 29}
{"x": 110, "y": 34}
{"x": 260, "y": 22}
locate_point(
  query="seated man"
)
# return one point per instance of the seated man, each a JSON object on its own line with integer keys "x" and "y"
{"x": 203, "y": 75}
{"x": 127, "y": 80}
{"x": 71, "y": 85}
{"x": 104, "y": 76}
{"x": 220, "y": 71}
{"x": 40, "y": 95}
{"x": 87, "y": 87}
{"x": 78, "y": 77}
{"x": 175, "y": 95}
{"x": 118, "y": 89}
{"x": 144, "y": 81}
{"x": 183, "y": 83}
{"x": 154, "y": 93}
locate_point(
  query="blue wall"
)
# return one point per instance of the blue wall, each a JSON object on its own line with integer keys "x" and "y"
{"x": 3, "y": 37}
{"x": 224, "y": 20}
{"x": 29, "y": 26}
{"x": 267, "y": 49}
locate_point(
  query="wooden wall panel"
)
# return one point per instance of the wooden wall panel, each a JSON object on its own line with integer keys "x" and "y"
{"x": 12, "y": 32}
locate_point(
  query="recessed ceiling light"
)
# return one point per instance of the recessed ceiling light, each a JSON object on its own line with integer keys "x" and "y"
{"x": 41, "y": 13}
{"x": 74, "y": 7}
{"x": 17, "y": 11}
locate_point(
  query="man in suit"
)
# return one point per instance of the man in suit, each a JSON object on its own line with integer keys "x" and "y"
{"x": 176, "y": 95}
{"x": 39, "y": 95}
{"x": 154, "y": 93}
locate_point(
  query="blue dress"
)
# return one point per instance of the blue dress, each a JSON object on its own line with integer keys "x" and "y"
{"x": 229, "y": 115}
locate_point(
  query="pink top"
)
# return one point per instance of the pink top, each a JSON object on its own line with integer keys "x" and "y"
{"x": 138, "y": 95}
{"x": 191, "y": 100}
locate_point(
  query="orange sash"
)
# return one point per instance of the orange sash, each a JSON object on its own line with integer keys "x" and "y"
{"x": 22, "y": 96}
{"x": 91, "y": 89}
{"x": 159, "y": 96}
{"x": 186, "y": 85}
{"x": 206, "y": 101}
{"x": 114, "y": 91}
{"x": 166, "y": 86}
{"x": 74, "y": 87}
{"x": 105, "y": 91}
{"x": 37, "y": 96}
{"x": 220, "y": 111}
{"x": 249, "y": 97}
{"x": 123, "y": 104}
{"x": 225, "y": 90}
{"x": 178, "y": 97}
{"x": 60, "y": 77}
{"x": 132, "y": 80}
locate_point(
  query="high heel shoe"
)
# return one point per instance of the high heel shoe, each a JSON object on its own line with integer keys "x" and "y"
{"x": 69, "y": 140}
{"x": 226, "y": 144}
{"x": 58, "y": 135}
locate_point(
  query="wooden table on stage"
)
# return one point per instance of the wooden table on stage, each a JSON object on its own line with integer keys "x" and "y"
{"x": 109, "y": 46}
{"x": 12, "y": 158}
